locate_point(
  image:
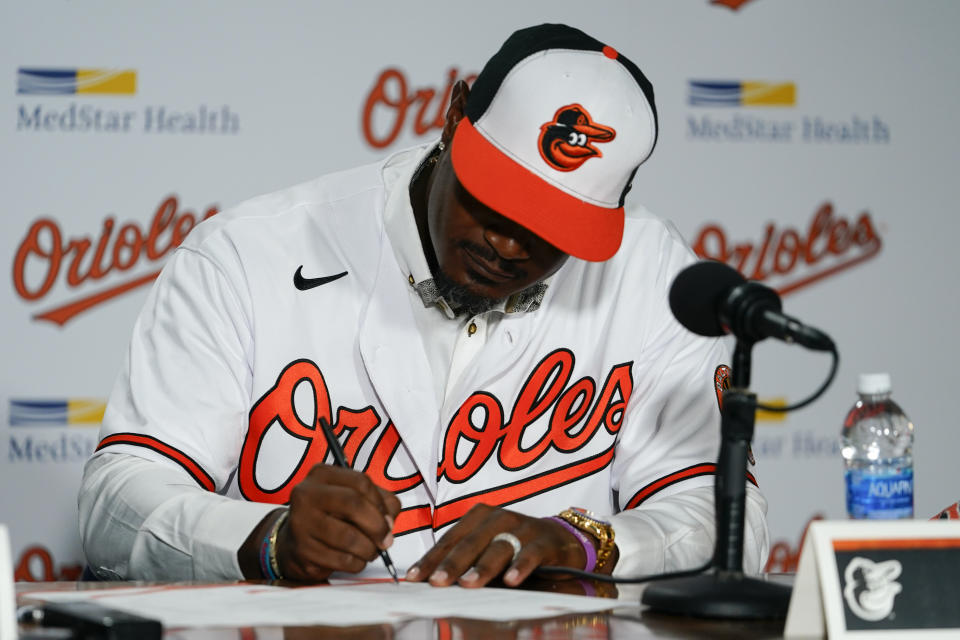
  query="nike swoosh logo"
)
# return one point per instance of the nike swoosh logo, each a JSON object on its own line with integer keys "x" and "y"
{"x": 309, "y": 283}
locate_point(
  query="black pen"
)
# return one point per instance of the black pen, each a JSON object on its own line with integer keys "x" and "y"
{"x": 341, "y": 461}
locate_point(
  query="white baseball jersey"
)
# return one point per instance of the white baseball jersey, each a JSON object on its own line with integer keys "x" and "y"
{"x": 292, "y": 307}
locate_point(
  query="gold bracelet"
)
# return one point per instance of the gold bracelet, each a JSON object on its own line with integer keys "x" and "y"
{"x": 272, "y": 553}
{"x": 590, "y": 523}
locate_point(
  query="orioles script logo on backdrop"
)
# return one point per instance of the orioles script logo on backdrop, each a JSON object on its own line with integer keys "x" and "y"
{"x": 576, "y": 412}
{"x": 730, "y": 4}
{"x": 795, "y": 258}
{"x": 80, "y": 262}
{"x": 392, "y": 99}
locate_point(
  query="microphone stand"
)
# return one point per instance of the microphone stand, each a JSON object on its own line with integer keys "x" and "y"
{"x": 724, "y": 591}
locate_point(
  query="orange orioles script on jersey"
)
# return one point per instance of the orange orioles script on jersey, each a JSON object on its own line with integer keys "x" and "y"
{"x": 721, "y": 382}
{"x": 548, "y": 393}
{"x": 566, "y": 141}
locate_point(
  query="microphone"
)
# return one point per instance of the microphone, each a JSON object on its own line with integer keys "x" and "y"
{"x": 712, "y": 299}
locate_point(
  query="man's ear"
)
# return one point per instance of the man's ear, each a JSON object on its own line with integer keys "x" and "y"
{"x": 458, "y": 104}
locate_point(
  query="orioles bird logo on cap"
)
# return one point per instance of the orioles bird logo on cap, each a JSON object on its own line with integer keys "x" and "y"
{"x": 566, "y": 142}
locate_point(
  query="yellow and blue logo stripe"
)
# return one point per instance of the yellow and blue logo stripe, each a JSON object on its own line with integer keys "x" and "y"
{"x": 712, "y": 93}
{"x": 772, "y": 416}
{"x": 48, "y": 81}
{"x": 81, "y": 412}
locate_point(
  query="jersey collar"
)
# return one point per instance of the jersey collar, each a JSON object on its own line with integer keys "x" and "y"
{"x": 401, "y": 229}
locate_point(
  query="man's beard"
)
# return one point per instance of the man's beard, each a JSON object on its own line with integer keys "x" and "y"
{"x": 462, "y": 301}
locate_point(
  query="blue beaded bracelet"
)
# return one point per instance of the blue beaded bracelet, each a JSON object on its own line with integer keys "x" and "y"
{"x": 268, "y": 550}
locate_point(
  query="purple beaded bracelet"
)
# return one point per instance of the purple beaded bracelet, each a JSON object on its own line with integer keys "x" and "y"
{"x": 587, "y": 545}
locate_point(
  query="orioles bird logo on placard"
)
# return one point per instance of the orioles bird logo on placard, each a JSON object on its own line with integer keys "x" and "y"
{"x": 566, "y": 141}
{"x": 871, "y": 587}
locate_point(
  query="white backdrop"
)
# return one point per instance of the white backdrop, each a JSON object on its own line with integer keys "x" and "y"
{"x": 852, "y": 175}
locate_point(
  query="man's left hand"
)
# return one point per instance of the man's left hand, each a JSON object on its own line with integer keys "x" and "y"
{"x": 469, "y": 555}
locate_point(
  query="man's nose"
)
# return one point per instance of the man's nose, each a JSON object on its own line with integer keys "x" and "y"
{"x": 509, "y": 243}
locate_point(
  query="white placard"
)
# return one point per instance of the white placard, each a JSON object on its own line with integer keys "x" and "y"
{"x": 8, "y": 606}
{"x": 877, "y": 579}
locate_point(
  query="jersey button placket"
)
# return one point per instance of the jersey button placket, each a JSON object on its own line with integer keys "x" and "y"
{"x": 468, "y": 345}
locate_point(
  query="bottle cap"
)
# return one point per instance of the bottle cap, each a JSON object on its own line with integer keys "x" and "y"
{"x": 873, "y": 383}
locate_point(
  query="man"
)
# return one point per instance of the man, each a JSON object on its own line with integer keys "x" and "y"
{"x": 487, "y": 336}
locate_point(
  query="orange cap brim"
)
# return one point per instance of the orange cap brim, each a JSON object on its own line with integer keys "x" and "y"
{"x": 579, "y": 228}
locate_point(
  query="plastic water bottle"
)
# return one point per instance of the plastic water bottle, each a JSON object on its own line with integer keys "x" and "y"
{"x": 877, "y": 449}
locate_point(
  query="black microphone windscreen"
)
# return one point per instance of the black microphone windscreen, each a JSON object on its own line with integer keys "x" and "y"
{"x": 697, "y": 293}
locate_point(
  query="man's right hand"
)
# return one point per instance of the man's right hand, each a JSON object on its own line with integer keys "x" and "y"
{"x": 339, "y": 521}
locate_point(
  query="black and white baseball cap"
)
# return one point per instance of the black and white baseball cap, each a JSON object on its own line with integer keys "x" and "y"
{"x": 555, "y": 127}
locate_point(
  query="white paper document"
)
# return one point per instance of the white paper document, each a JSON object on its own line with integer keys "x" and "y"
{"x": 338, "y": 604}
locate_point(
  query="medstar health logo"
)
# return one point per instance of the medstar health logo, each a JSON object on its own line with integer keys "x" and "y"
{"x": 741, "y": 93}
{"x": 56, "y": 412}
{"x": 47, "y": 81}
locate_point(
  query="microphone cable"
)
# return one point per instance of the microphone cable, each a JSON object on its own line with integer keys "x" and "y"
{"x": 602, "y": 577}
{"x": 835, "y": 363}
